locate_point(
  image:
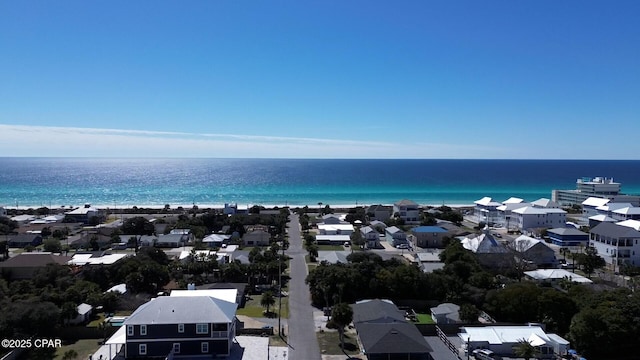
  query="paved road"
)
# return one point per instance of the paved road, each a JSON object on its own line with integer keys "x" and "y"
{"x": 302, "y": 334}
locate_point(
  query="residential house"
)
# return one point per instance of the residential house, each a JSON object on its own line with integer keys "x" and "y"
{"x": 590, "y": 205}
{"x": 505, "y": 216}
{"x": 335, "y": 229}
{"x": 172, "y": 240}
{"x": 216, "y": 240}
{"x": 617, "y": 244}
{"x": 3, "y": 211}
{"x": 546, "y": 203}
{"x": 82, "y": 214}
{"x": 332, "y": 239}
{"x": 332, "y": 219}
{"x": 395, "y": 236}
{"x": 385, "y": 334}
{"x": 429, "y": 236}
{"x": 595, "y": 220}
{"x": 84, "y": 314}
{"x": 379, "y": 212}
{"x": 228, "y": 294}
{"x": 188, "y": 236}
{"x": 23, "y": 240}
{"x": 626, "y": 213}
{"x": 529, "y": 217}
{"x": 568, "y": 236}
{"x": 333, "y": 257}
{"x": 24, "y": 266}
{"x": 488, "y": 250}
{"x": 95, "y": 258}
{"x": 634, "y": 224}
{"x": 486, "y": 210}
{"x": 408, "y": 211}
{"x": 555, "y": 276}
{"x": 181, "y": 326}
{"x": 446, "y": 313}
{"x": 256, "y": 235}
{"x": 533, "y": 251}
{"x": 503, "y": 339}
{"x": 371, "y": 237}
{"x": 429, "y": 261}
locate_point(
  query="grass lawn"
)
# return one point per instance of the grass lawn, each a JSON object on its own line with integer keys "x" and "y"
{"x": 253, "y": 308}
{"x": 84, "y": 348}
{"x": 425, "y": 319}
{"x": 329, "y": 342}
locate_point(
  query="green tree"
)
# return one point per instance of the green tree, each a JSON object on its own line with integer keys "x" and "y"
{"x": 137, "y": 226}
{"x": 525, "y": 350}
{"x": 341, "y": 316}
{"x": 469, "y": 313}
{"x": 590, "y": 261}
{"x": 267, "y": 300}
{"x": 313, "y": 251}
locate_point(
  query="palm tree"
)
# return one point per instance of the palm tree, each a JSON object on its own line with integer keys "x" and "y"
{"x": 267, "y": 300}
{"x": 320, "y": 209}
{"x": 525, "y": 349}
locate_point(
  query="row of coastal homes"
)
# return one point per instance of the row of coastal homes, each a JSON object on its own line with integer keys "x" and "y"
{"x": 516, "y": 214}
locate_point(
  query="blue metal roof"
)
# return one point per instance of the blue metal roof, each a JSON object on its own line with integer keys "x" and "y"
{"x": 433, "y": 229}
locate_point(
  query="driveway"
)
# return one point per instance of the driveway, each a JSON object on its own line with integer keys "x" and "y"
{"x": 301, "y": 333}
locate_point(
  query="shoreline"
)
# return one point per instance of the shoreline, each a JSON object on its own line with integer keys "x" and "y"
{"x": 219, "y": 206}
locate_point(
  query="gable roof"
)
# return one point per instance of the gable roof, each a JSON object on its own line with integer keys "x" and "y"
{"x": 484, "y": 244}
{"x": 615, "y": 230}
{"x": 183, "y": 310}
{"x": 595, "y": 201}
{"x": 376, "y": 311}
{"x": 524, "y": 243}
{"x": 35, "y": 260}
{"x": 486, "y": 201}
{"x": 393, "y": 338}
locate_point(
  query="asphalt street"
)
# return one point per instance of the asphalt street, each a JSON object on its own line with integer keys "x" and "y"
{"x": 303, "y": 343}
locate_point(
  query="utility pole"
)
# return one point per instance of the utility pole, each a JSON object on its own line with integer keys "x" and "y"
{"x": 280, "y": 290}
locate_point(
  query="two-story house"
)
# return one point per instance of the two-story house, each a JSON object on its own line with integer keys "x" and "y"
{"x": 199, "y": 326}
{"x": 617, "y": 244}
{"x": 408, "y": 211}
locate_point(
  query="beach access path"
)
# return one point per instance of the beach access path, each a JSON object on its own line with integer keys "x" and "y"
{"x": 302, "y": 339}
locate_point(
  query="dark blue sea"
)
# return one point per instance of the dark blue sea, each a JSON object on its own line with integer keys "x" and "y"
{"x": 53, "y": 182}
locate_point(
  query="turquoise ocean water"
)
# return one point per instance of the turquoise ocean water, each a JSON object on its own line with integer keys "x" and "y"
{"x": 53, "y": 182}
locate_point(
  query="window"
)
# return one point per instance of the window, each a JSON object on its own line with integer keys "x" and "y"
{"x": 180, "y": 328}
{"x": 176, "y": 348}
{"x": 129, "y": 330}
{"x": 143, "y": 329}
{"x": 202, "y": 328}
{"x": 204, "y": 347}
{"x": 142, "y": 349}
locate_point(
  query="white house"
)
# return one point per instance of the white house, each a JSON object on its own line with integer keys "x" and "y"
{"x": 335, "y": 229}
{"x": 408, "y": 211}
{"x": 486, "y": 210}
{"x": 530, "y": 217}
{"x": 617, "y": 244}
{"x": 502, "y": 340}
{"x": 505, "y": 216}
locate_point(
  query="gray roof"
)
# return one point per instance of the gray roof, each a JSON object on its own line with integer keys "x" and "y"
{"x": 615, "y": 230}
{"x": 333, "y": 257}
{"x": 406, "y": 202}
{"x": 183, "y": 310}
{"x": 376, "y": 311}
{"x": 402, "y": 338}
{"x": 566, "y": 231}
{"x": 452, "y": 311}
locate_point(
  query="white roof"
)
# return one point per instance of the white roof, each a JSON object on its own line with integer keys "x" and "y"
{"x": 335, "y": 227}
{"x": 84, "y": 308}
{"x": 613, "y": 206}
{"x": 634, "y": 224}
{"x": 595, "y": 201}
{"x": 629, "y": 210}
{"x": 601, "y": 218}
{"x": 486, "y": 201}
{"x": 86, "y": 259}
{"x": 23, "y": 218}
{"x": 228, "y": 295}
{"x": 82, "y": 211}
{"x": 556, "y": 274}
{"x": 120, "y": 337}
{"x": 205, "y": 253}
{"x": 216, "y": 238}
{"x": 428, "y": 257}
{"x": 512, "y": 206}
{"x": 530, "y": 210}
{"x": 524, "y": 243}
{"x": 229, "y": 248}
{"x": 513, "y": 200}
{"x": 121, "y": 288}
{"x": 544, "y": 202}
{"x": 333, "y": 237}
{"x": 497, "y": 335}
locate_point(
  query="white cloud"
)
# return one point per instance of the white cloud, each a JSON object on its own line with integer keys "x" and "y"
{"x": 25, "y": 140}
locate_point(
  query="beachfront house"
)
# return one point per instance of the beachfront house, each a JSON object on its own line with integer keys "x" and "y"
{"x": 486, "y": 210}
{"x": 395, "y": 236}
{"x": 181, "y": 326}
{"x": 379, "y": 212}
{"x": 407, "y": 210}
{"x": 617, "y": 244}
{"x": 82, "y": 214}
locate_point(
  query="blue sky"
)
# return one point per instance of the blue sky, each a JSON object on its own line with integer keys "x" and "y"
{"x": 332, "y": 79}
